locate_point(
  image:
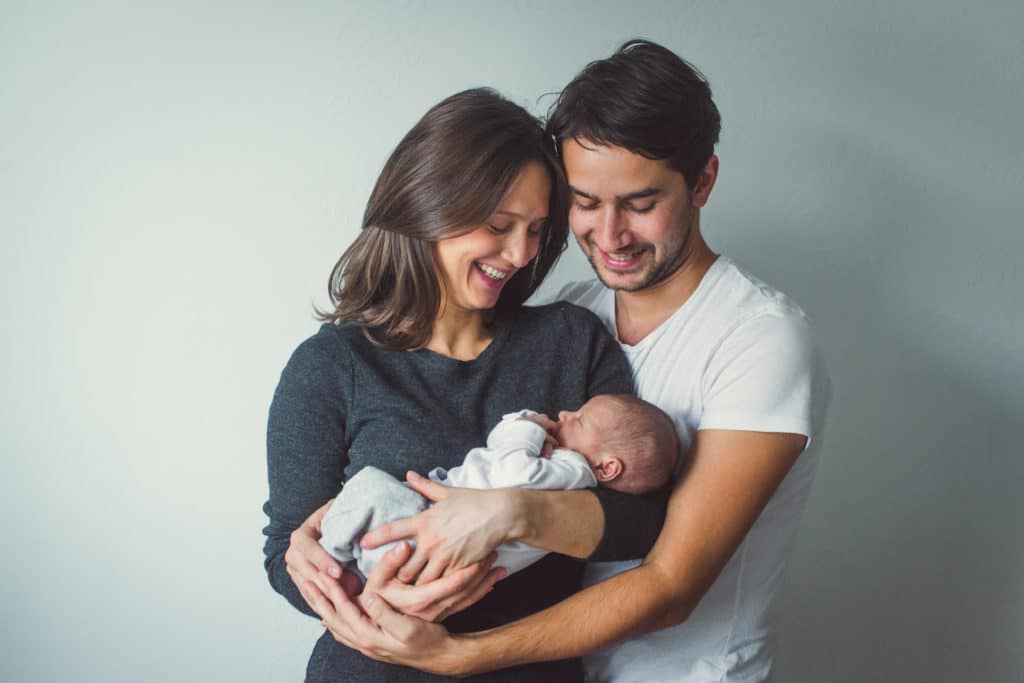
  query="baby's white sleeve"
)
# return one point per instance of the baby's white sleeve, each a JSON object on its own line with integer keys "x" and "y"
{"x": 565, "y": 470}
{"x": 513, "y": 434}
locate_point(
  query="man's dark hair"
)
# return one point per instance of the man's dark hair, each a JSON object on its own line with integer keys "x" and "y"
{"x": 643, "y": 98}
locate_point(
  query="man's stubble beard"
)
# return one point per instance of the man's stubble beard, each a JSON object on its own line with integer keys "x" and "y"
{"x": 660, "y": 271}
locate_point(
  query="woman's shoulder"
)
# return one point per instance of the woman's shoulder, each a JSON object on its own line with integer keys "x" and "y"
{"x": 330, "y": 346}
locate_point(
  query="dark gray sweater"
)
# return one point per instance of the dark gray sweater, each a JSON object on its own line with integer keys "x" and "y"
{"x": 343, "y": 403}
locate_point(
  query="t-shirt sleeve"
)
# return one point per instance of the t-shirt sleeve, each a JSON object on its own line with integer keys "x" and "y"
{"x": 761, "y": 377}
{"x": 306, "y": 448}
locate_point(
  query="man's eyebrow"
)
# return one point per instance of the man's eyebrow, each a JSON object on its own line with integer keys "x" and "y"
{"x": 639, "y": 194}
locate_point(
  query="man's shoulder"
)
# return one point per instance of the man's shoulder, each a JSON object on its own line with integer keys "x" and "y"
{"x": 743, "y": 296}
{"x": 586, "y": 293}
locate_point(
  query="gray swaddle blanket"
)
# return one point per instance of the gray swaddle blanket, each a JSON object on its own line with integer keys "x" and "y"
{"x": 370, "y": 498}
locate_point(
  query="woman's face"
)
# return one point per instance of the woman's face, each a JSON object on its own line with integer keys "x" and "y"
{"x": 475, "y": 266}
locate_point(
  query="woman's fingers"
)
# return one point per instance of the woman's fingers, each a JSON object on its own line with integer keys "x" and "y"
{"x": 392, "y": 531}
{"x": 339, "y": 614}
{"x": 427, "y": 488}
{"x": 305, "y": 557}
{"x": 434, "y": 569}
{"x": 387, "y": 567}
{"x": 415, "y": 564}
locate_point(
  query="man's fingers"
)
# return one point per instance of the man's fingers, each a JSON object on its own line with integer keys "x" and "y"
{"x": 392, "y": 531}
{"x": 431, "y": 591}
{"x": 426, "y": 488}
{"x": 482, "y": 588}
{"x": 393, "y": 623}
{"x": 343, "y": 616}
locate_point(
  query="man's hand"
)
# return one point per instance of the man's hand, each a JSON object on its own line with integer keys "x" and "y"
{"x": 462, "y": 528}
{"x": 435, "y": 600}
{"x": 374, "y": 628}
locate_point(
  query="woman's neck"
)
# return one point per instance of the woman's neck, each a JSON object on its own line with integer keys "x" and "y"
{"x": 462, "y": 335}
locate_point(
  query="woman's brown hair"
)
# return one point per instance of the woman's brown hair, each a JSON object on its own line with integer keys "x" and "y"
{"x": 445, "y": 178}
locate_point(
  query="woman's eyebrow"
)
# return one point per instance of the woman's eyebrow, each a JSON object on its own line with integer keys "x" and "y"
{"x": 513, "y": 214}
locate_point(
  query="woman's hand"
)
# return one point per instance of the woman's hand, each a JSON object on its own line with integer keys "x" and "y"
{"x": 306, "y": 558}
{"x": 373, "y": 627}
{"x": 435, "y": 600}
{"x": 462, "y": 528}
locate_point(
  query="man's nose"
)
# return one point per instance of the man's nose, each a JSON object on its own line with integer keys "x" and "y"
{"x": 610, "y": 233}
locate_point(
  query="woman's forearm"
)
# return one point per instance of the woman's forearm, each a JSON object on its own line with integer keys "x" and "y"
{"x": 566, "y": 522}
{"x": 597, "y": 524}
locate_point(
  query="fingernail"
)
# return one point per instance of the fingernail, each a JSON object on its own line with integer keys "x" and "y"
{"x": 370, "y": 599}
{"x": 413, "y": 475}
{"x": 334, "y": 571}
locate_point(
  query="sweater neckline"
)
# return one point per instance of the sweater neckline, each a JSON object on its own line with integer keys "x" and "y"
{"x": 501, "y": 333}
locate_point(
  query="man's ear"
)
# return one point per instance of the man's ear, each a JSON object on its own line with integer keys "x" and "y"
{"x": 608, "y": 469}
{"x": 705, "y": 182}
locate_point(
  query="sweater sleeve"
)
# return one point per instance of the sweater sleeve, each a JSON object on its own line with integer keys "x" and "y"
{"x": 306, "y": 447}
{"x": 631, "y": 522}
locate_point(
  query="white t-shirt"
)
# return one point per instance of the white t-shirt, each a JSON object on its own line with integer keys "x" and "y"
{"x": 736, "y": 355}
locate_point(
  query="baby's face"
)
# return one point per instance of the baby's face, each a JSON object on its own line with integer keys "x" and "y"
{"x": 582, "y": 430}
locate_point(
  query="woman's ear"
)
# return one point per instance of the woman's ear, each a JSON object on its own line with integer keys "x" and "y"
{"x": 608, "y": 469}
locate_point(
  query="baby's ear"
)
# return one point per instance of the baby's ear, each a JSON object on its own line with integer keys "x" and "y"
{"x": 609, "y": 468}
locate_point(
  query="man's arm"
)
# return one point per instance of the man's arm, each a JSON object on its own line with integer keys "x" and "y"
{"x": 732, "y": 476}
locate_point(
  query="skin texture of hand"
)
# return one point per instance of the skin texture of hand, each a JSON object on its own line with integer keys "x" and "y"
{"x": 373, "y": 627}
{"x": 435, "y": 600}
{"x": 463, "y": 527}
{"x": 305, "y": 557}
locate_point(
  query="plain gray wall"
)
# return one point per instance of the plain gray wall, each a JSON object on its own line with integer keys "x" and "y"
{"x": 176, "y": 182}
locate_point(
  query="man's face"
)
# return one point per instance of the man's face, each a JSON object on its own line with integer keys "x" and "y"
{"x": 631, "y": 215}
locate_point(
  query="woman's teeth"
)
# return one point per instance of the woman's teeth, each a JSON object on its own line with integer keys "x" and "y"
{"x": 492, "y": 272}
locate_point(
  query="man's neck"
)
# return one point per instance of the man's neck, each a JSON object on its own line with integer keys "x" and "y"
{"x": 638, "y": 313}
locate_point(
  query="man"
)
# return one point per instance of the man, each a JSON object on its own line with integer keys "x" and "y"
{"x": 731, "y": 360}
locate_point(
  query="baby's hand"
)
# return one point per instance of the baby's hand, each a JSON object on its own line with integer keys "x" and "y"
{"x": 541, "y": 419}
{"x": 548, "y": 425}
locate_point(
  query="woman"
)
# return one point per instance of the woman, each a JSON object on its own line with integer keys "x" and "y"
{"x": 428, "y": 346}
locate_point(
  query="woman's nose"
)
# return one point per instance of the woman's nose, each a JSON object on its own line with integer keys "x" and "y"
{"x": 517, "y": 249}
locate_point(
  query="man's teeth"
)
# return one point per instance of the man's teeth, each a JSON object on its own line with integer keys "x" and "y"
{"x": 620, "y": 256}
{"x": 492, "y": 272}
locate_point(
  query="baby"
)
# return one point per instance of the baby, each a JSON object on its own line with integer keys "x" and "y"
{"x": 617, "y": 441}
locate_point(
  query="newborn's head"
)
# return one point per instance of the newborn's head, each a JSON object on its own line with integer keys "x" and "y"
{"x": 630, "y": 444}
